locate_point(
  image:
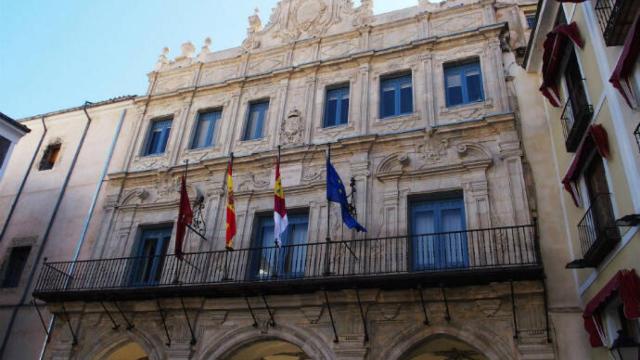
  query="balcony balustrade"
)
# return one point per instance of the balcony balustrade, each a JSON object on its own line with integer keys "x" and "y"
{"x": 449, "y": 259}
{"x": 597, "y": 232}
{"x": 575, "y": 121}
{"x": 615, "y": 18}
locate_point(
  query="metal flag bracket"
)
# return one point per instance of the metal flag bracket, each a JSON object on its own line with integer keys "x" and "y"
{"x": 68, "y": 319}
{"x": 333, "y": 324}
{"x": 115, "y": 326}
{"x": 164, "y": 323}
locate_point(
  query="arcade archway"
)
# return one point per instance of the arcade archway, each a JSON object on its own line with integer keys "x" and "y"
{"x": 272, "y": 349}
{"x": 128, "y": 351}
{"x": 443, "y": 347}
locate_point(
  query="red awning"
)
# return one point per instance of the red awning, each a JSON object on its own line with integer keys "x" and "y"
{"x": 554, "y": 48}
{"x": 622, "y": 74}
{"x": 627, "y": 285}
{"x": 596, "y": 139}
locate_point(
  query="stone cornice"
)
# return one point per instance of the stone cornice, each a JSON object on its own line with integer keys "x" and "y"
{"x": 432, "y": 42}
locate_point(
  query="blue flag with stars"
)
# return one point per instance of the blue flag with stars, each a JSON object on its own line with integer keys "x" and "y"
{"x": 337, "y": 193}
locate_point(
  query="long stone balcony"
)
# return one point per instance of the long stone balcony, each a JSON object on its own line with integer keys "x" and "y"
{"x": 457, "y": 258}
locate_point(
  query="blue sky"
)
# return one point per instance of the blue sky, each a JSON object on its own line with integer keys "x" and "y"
{"x": 57, "y": 54}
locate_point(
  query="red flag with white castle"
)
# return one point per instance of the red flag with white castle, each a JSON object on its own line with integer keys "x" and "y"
{"x": 279, "y": 209}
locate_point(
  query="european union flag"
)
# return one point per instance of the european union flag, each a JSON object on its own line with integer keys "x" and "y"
{"x": 337, "y": 193}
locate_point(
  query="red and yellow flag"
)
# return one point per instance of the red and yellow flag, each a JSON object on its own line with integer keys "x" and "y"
{"x": 185, "y": 217}
{"x": 231, "y": 209}
{"x": 279, "y": 208}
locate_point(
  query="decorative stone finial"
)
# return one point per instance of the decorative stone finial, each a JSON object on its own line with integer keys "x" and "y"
{"x": 205, "y": 49}
{"x": 162, "y": 59}
{"x": 255, "y": 24}
{"x": 188, "y": 49}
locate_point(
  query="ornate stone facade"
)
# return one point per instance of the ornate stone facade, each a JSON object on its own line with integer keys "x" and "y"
{"x": 306, "y": 47}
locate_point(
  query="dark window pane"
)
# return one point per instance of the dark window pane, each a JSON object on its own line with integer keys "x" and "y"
{"x": 50, "y": 157}
{"x": 474, "y": 86}
{"x": 255, "y": 120}
{"x": 15, "y": 266}
{"x": 4, "y": 149}
{"x": 531, "y": 21}
{"x": 205, "y": 129}
{"x": 454, "y": 96}
{"x": 406, "y": 100}
{"x": 388, "y": 103}
{"x": 463, "y": 83}
{"x": 158, "y": 137}
{"x": 344, "y": 111}
{"x": 330, "y": 116}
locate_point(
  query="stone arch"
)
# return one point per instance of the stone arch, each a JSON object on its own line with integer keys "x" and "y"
{"x": 100, "y": 346}
{"x": 314, "y": 345}
{"x": 483, "y": 339}
{"x": 392, "y": 164}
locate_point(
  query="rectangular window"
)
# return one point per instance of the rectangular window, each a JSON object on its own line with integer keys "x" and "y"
{"x": 204, "y": 133}
{"x": 337, "y": 106}
{"x": 396, "y": 96}
{"x": 158, "y": 137}
{"x": 289, "y": 260}
{"x": 255, "y": 120}
{"x": 437, "y": 233}
{"x": 4, "y": 149}
{"x": 149, "y": 256}
{"x": 15, "y": 265}
{"x": 463, "y": 83}
{"x": 531, "y": 20}
{"x": 50, "y": 157}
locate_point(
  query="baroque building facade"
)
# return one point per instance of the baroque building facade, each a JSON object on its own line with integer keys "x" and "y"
{"x": 429, "y": 114}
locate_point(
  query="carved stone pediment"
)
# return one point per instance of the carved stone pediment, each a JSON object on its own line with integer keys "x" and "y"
{"x": 435, "y": 154}
{"x": 293, "y": 20}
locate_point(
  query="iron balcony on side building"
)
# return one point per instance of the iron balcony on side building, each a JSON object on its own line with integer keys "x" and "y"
{"x": 615, "y": 18}
{"x": 597, "y": 232}
{"x": 441, "y": 259}
{"x": 575, "y": 118}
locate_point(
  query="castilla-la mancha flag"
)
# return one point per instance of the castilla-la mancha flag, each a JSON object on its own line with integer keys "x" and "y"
{"x": 279, "y": 209}
{"x": 231, "y": 210}
{"x": 185, "y": 217}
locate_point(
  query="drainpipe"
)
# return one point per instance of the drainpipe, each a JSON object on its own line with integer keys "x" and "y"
{"x": 45, "y": 237}
{"x": 23, "y": 183}
{"x": 88, "y": 217}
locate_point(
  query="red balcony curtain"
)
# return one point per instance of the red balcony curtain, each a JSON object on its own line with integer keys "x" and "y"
{"x": 622, "y": 75}
{"x": 554, "y": 49}
{"x": 597, "y": 139}
{"x": 627, "y": 286}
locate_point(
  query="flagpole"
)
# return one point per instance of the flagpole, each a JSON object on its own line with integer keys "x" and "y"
{"x": 277, "y": 248}
{"x": 327, "y": 264}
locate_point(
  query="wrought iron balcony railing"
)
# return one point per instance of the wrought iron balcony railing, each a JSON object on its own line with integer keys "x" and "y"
{"x": 575, "y": 121}
{"x": 461, "y": 257}
{"x": 597, "y": 231}
{"x": 615, "y": 18}
{"x": 636, "y": 134}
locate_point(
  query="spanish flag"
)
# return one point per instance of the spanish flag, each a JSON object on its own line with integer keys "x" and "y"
{"x": 231, "y": 209}
{"x": 279, "y": 209}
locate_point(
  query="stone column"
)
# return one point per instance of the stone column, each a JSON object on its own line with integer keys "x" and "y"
{"x": 428, "y": 103}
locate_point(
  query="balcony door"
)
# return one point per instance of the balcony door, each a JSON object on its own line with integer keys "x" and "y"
{"x": 602, "y": 222}
{"x": 149, "y": 256}
{"x": 288, "y": 261}
{"x": 438, "y": 240}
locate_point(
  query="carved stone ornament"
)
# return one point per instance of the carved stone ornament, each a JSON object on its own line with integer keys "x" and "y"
{"x": 293, "y": 20}
{"x": 434, "y": 151}
{"x": 292, "y": 128}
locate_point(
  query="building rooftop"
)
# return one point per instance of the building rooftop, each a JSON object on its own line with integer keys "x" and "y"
{"x": 14, "y": 123}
